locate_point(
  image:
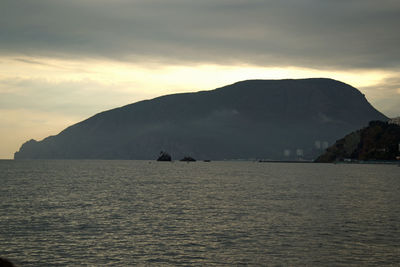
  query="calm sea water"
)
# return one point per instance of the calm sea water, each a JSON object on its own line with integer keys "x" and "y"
{"x": 64, "y": 213}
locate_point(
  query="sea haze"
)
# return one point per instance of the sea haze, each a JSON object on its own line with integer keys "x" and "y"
{"x": 66, "y": 212}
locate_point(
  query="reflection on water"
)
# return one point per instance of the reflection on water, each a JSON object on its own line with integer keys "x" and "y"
{"x": 218, "y": 213}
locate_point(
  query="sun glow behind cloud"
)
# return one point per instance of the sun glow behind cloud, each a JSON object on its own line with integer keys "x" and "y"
{"x": 161, "y": 77}
{"x": 42, "y": 96}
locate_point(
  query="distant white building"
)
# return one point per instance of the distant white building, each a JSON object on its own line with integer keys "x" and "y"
{"x": 287, "y": 152}
{"x": 317, "y": 144}
{"x": 299, "y": 152}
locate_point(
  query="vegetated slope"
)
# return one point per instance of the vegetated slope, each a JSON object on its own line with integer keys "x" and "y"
{"x": 379, "y": 141}
{"x": 248, "y": 119}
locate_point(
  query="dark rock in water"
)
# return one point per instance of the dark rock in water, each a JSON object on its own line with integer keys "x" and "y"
{"x": 164, "y": 156}
{"x": 269, "y": 119}
{"x": 380, "y": 141}
{"x": 6, "y": 263}
{"x": 187, "y": 159}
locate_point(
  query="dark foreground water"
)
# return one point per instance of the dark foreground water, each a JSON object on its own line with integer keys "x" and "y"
{"x": 124, "y": 213}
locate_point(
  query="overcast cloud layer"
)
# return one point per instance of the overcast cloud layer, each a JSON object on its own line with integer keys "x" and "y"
{"x": 309, "y": 33}
{"x": 62, "y": 61}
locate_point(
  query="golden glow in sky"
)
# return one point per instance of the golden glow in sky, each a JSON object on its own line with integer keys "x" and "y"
{"x": 42, "y": 96}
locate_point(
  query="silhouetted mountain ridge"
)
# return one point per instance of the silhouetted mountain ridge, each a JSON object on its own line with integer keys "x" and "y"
{"x": 248, "y": 119}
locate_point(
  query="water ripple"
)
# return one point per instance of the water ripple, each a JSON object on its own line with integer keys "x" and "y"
{"x": 128, "y": 213}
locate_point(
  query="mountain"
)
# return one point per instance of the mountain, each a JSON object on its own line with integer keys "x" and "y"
{"x": 268, "y": 119}
{"x": 379, "y": 141}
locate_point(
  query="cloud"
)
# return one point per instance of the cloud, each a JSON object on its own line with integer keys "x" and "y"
{"x": 308, "y": 33}
{"x": 73, "y": 98}
{"x": 66, "y": 60}
{"x": 37, "y": 107}
{"x": 20, "y": 125}
{"x": 40, "y": 97}
{"x": 385, "y": 95}
{"x": 83, "y": 88}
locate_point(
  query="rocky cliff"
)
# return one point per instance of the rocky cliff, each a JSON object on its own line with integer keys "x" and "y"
{"x": 379, "y": 141}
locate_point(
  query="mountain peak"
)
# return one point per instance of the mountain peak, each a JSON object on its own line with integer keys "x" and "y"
{"x": 247, "y": 119}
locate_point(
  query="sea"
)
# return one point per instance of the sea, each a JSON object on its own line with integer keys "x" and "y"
{"x": 219, "y": 213}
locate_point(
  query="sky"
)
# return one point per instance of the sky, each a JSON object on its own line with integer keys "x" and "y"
{"x": 62, "y": 61}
